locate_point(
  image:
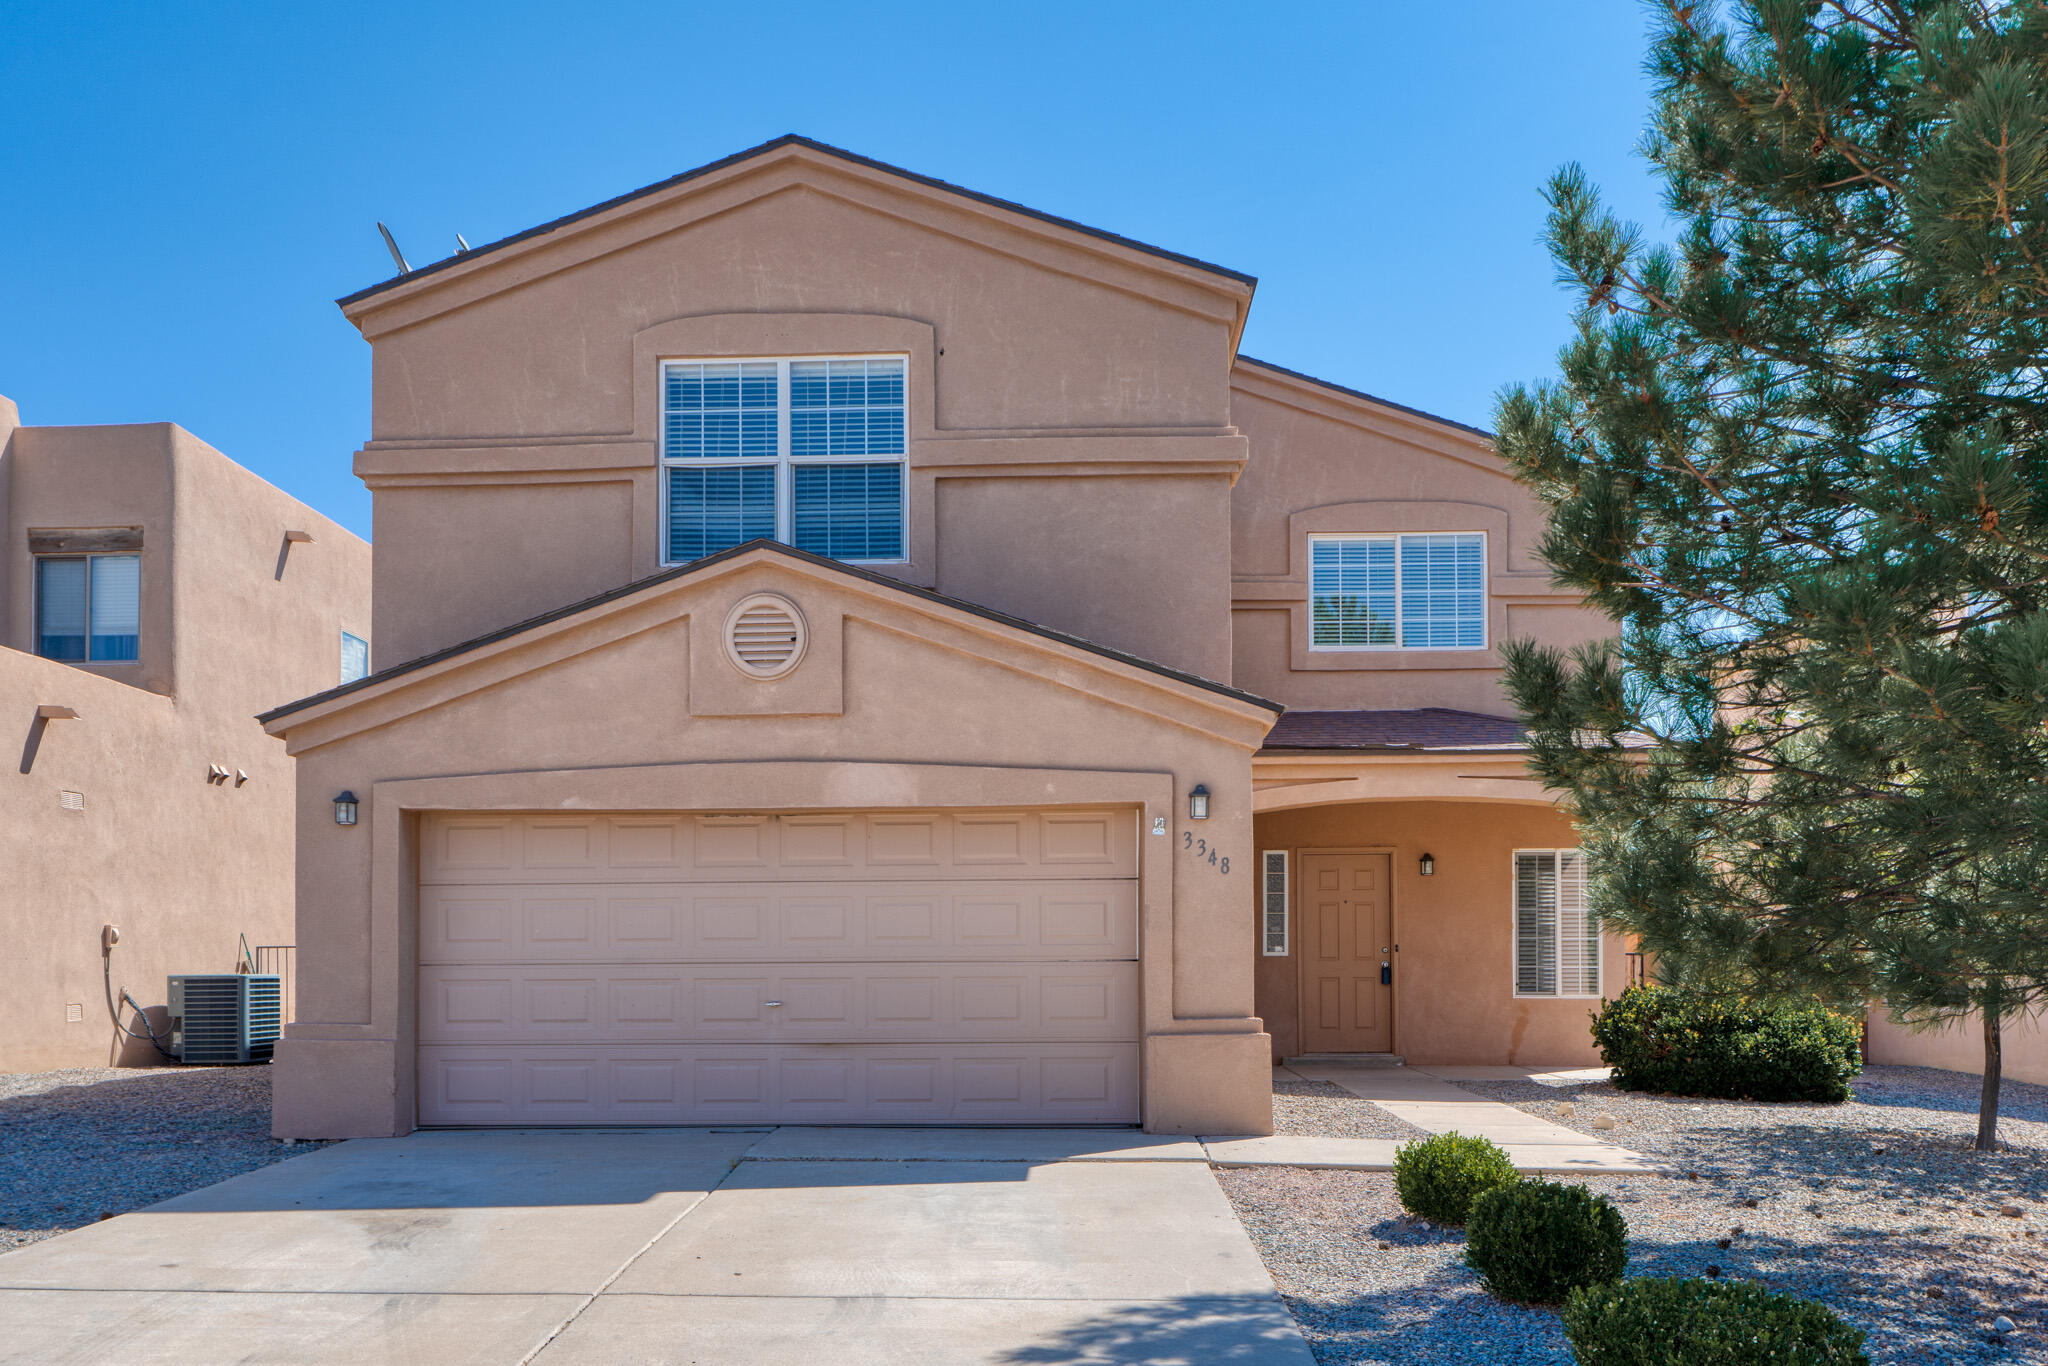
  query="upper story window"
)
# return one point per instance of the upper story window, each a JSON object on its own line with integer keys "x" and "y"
{"x": 1424, "y": 591}
{"x": 1557, "y": 944}
{"x": 88, "y": 607}
{"x": 355, "y": 657}
{"x": 808, "y": 451}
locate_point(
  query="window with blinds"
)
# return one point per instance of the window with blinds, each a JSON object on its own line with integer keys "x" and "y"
{"x": 1557, "y": 944}
{"x": 1414, "y": 592}
{"x": 1273, "y": 902}
{"x": 807, "y": 451}
{"x": 89, "y": 608}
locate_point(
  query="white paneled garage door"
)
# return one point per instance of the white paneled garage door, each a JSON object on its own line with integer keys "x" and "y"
{"x": 955, "y": 967}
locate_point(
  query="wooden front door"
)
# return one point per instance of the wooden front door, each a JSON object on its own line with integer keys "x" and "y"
{"x": 1347, "y": 929}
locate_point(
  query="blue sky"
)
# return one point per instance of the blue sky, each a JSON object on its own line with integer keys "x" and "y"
{"x": 189, "y": 187}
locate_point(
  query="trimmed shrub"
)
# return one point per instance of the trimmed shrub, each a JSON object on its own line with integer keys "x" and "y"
{"x": 1688, "y": 1044}
{"x": 1656, "y": 1322}
{"x": 1440, "y": 1176}
{"x": 1537, "y": 1241}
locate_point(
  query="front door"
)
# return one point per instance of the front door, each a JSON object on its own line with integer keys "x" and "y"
{"x": 1346, "y": 953}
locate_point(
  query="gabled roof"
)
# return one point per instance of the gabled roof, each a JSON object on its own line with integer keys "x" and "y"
{"x": 747, "y": 547}
{"x": 1348, "y": 392}
{"x": 791, "y": 140}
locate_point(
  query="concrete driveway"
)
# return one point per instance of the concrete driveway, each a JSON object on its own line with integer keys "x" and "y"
{"x": 564, "y": 1248}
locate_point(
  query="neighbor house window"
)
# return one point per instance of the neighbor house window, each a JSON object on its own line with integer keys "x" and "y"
{"x": 1413, "y": 592}
{"x": 1557, "y": 945}
{"x": 806, "y": 451}
{"x": 355, "y": 657}
{"x": 88, "y": 607}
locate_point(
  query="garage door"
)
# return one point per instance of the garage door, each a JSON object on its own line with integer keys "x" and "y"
{"x": 954, "y": 967}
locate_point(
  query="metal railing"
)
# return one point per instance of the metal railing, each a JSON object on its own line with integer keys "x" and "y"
{"x": 281, "y": 959}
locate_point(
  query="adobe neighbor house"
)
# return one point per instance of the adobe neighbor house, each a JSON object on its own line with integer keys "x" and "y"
{"x": 154, "y": 596}
{"x": 833, "y": 631}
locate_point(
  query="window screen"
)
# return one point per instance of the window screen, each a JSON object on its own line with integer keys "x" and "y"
{"x": 355, "y": 657}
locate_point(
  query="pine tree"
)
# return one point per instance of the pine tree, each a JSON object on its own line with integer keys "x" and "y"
{"x": 1801, "y": 459}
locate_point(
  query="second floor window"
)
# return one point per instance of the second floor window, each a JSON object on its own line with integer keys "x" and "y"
{"x": 355, "y": 657}
{"x": 89, "y": 608}
{"x": 1412, "y": 592}
{"x": 807, "y": 451}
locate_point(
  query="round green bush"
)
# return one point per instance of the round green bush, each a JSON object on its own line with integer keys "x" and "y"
{"x": 1686, "y": 1043}
{"x": 1440, "y": 1176}
{"x": 1535, "y": 1242}
{"x": 1656, "y": 1322}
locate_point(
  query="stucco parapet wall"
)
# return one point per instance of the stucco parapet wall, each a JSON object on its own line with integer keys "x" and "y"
{"x": 666, "y": 599}
{"x": 792, "y": 165}
{"x": 1282, "y": 781}
{"x": 400, "y": 464}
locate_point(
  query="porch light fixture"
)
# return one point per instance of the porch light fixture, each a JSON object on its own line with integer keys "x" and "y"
{"x": 345, "y": 808}
{"x": 1429, "y": 865}
{"x": 1198, "y": 803}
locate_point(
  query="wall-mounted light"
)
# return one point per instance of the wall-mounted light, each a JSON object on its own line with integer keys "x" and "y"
{"x": 345, "y": 809}
{"x": 1198, "y": 803}
{"x": 1429, "y": 865}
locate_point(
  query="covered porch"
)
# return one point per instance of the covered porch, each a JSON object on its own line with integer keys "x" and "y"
{"x": 1420, "y": 896}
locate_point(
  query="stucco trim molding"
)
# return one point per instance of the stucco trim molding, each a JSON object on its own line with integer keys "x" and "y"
{"x": 1282, "y": 782}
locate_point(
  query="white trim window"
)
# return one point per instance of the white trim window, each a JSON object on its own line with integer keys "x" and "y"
{"x": 89, "y": 608}
{"x": 1273, "y": 927}
{"x": 355, "y": 657}
{"x": 805, "y": 450}
{"x": 1416, "y": 591}
{"x": 1557, "y": 944}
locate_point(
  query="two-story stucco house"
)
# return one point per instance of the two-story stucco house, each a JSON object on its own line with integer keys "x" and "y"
{"x": 851, "y": 649}
{"x": 154, "y": 596}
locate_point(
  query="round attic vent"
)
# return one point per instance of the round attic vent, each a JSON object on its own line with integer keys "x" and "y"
{"x": 765, "y": 636}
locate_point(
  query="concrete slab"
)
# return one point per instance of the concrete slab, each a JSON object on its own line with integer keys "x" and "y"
{"x": 641, "y": 1330}
{"x": 972, "y": 1145}
{"x": 1561, "y": 1075}
{"x": 538, "y": 1213}
{"x": 1377, "y": 1155}
{"x": 972, "y": 1230}
{"x": 179, "y": 1328}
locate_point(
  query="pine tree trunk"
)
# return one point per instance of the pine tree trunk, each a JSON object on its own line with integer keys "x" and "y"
{"x": 1987, "y": 1103}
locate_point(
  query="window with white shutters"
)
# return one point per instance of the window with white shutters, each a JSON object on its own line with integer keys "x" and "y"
{"x": 1273, "y": 902}
{"x": 808, "y": 451}
{"x": 1557, "y": 944}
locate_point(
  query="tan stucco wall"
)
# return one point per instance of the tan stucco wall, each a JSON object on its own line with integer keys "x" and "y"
{"x": 2023, "y": 1047}
{"x": 515, "y": 406}
{"x": 183, "y": 866}
{"x": 1325, "y": 462}
{"x": 1454, "y": 999}
{"x": 898, "y": 703}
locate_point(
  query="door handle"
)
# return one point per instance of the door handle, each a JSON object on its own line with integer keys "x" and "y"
{"x": 1386, "y": 974}
{"x": 771, "y": 1003}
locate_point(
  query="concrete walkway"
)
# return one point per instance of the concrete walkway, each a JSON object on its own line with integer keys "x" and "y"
{"x": 569, "y": 1248}
{"x": 1433, "y": 1104}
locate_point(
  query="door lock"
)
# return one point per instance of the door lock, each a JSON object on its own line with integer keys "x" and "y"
{"x": 1386, "y": 974}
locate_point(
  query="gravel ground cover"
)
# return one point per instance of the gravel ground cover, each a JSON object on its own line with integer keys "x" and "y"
{"x": 1323, "y": 1109}
{"x": 1877, "y": 1207}
{"x": 91, "y": 1141}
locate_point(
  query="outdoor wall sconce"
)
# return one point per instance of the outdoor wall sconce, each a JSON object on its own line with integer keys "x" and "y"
{"x": 345, "y": 809}
{"x": 1429, "y": 865}
{"x": 1198, "y": 803}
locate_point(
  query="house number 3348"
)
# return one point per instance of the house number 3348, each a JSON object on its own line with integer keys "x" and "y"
{"x": 1204, "y": 852}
